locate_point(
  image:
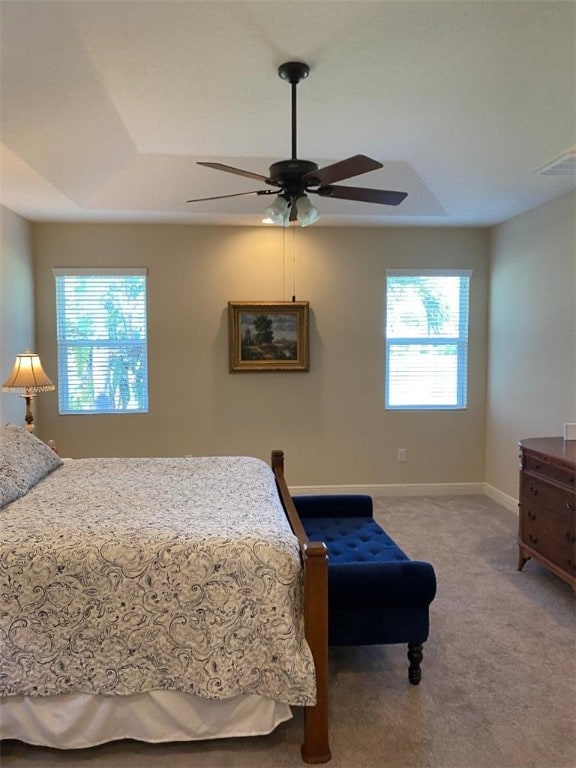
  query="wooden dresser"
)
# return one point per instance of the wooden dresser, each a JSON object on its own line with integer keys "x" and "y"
{"x": 547, "y": 530}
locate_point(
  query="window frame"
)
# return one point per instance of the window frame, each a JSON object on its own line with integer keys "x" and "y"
{"x": 64, "y": 344}
{"x": 461, "y": 341}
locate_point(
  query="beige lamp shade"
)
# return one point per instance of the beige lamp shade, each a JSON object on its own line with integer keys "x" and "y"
{"x": 27, "y": 376}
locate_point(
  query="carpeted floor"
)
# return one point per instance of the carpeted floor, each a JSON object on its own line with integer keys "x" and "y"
{"x": 499, "y": 670}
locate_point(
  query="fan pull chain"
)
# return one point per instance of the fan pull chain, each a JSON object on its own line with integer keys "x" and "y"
{"x": 294, "y": 262}
{"x": 284, "y": 262}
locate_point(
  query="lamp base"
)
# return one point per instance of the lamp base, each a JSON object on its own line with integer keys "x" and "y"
{"x": 28, "y": 418}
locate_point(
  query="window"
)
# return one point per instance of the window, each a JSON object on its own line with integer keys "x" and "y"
{"x": 426, "y": 339}
{"x": 101, "y": 333}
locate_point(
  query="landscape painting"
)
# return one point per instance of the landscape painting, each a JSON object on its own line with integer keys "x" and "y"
{"x": 268, "y": 336}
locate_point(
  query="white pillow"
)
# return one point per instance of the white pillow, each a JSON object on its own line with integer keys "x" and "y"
{"x": 29, "y": 457}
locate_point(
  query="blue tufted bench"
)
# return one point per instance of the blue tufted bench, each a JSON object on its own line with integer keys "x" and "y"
{"x": 376, "y": 594}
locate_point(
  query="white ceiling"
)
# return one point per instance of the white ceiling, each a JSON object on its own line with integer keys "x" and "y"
{"x": 107, "y": 106}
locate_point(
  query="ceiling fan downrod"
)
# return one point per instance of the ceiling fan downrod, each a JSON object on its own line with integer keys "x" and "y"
{"x": 293, "y": 72}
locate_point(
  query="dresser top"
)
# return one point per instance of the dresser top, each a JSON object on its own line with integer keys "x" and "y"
{"x": 555, "y": 447}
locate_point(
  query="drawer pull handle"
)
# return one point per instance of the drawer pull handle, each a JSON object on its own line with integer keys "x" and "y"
{"x": 532, "y": 539}
{"x": 533, "y": 491}
{"x": 571, "y": 538}
{"x": 531, "y": 515}
{"x": 570, "y": 507}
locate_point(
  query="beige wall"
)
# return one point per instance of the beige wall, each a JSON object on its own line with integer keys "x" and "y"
{"x": 532, "y": 340}
{"x": 16, "y": 304}
{"x": 331, "y": 421}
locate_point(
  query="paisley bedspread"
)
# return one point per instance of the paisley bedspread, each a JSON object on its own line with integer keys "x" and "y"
{"x": 120, "y": 576}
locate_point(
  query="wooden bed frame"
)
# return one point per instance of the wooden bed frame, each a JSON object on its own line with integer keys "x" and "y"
{"x": 315, "y": 748}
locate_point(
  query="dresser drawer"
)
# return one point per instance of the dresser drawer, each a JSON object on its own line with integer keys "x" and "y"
{"x": 549, "y": 496}
{"x": 552, "y": 534}
{"x": 557, "y": 472}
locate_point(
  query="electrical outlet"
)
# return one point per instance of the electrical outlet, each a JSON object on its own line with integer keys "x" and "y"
{"x": 401, "y": 454}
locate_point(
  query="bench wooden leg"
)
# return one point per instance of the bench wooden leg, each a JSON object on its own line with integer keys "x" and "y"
{"x": 415, "y": 656}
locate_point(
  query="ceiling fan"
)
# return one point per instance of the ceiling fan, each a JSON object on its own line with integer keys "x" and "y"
{"x": 295, "y": 178}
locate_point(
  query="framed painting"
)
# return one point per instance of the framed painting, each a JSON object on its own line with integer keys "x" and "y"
{"x": 268, "y": 336}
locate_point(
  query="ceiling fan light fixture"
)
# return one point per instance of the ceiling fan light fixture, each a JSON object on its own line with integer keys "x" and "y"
{"x": 306, "y": 213}
{"x": 278, "y": 211}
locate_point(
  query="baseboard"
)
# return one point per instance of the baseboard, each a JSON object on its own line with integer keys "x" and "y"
{"x": 501, "y": 498}
{"x": 413, "y": 489}
{"x": 409, "y": 489}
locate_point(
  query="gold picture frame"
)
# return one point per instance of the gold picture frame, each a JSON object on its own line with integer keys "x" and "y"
{"x": 268, "y": 336}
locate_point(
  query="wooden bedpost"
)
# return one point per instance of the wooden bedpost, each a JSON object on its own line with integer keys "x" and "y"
{"x": 278, "y": 461}
{"x": 316, "y": 747}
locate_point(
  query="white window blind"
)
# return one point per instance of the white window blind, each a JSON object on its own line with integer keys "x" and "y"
{"x": 102, "y": 340}
{"x": 426, "y": 339}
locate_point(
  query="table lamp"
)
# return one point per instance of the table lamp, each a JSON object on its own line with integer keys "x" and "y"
{"x": 28, "y": 378}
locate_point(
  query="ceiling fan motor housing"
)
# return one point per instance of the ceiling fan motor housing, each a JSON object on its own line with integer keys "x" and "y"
{"x": 289, "y": 175}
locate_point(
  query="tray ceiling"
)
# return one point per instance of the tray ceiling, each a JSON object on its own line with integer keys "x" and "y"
{"x": 106, "y": 107}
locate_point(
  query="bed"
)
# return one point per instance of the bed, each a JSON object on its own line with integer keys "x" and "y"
{"x": 160, "y": 599}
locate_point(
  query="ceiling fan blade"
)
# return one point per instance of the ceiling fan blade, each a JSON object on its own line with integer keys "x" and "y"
{"x": 237, "y": 171}
{"x": 236, "y": 194}
{"x": 363, "y": 195}
{"x": 345, "y": 169}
